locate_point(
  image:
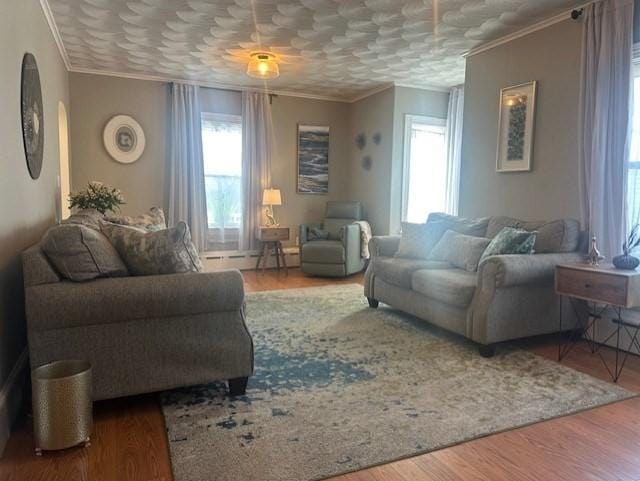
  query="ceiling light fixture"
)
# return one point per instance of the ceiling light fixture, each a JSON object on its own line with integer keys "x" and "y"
{"x": 263, "y": 65}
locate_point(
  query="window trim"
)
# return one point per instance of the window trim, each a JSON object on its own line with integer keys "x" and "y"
{"x": 409, "y": 120}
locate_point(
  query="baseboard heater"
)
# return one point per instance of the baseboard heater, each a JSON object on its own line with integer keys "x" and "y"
{"x": 245, "y": 260}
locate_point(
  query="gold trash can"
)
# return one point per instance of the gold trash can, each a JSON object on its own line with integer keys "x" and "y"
{"x": 62, "y": 394}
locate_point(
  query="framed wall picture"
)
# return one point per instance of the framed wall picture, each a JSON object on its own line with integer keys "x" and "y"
{"x": 124, "y": 139}
{"x": 32, "y": 113}
{"x": 515, "y": 127}
{"x": 313, "y": 159}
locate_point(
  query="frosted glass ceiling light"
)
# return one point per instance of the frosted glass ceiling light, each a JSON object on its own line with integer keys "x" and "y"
{"x": 263, "y": 66}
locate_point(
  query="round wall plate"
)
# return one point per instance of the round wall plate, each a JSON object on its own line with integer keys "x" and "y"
{"x": 32, "y": 115}
{"x": 124, "y": 139}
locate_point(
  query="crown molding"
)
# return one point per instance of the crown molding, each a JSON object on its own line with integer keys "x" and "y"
{"x": 566, "y": 15}
{"x": 430, "y": 88}
{"x": 371, "y": 92}
{"x": 48, "y": 15}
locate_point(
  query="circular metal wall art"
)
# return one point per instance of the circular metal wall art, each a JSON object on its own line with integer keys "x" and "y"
{"x": 32, "y": 115}
{"x": 124, "y": 139}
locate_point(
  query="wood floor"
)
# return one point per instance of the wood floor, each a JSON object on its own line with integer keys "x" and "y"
{"x": 603, "y": 444}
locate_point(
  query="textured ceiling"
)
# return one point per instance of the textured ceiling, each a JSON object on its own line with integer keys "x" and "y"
{"x": 332, "y": 48}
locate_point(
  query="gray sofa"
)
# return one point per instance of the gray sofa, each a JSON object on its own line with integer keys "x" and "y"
{"x": 339, "y": 255}
{"x": 509, "y": 297}
{"x": 140, "y": 334}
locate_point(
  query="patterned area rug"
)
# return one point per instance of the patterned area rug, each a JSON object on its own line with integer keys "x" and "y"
{"x": 339, "y": 386}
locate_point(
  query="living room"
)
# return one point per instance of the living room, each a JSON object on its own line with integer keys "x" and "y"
{"x": 257, "y": 240}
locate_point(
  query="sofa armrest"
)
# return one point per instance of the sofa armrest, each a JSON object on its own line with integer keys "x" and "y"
{"x": 304, "y": 232}
{"x": 516, "y": 270}
{"x": 118, "y": 299}
{"x": 384, "y": 245}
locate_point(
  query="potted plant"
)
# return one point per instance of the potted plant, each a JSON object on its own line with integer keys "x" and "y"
{"x": 98, "y": 196}
{"x": 626, "y": 261}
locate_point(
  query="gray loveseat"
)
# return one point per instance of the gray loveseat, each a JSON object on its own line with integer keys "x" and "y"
{"x": 140, "y": 334}
{"x": 509, "y": 297}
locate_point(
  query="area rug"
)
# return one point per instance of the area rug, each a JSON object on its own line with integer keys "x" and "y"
{"x": 339, "y": 386}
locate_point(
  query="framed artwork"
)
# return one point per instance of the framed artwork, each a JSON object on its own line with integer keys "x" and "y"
{"x": 124, "y": 139}
{"x": 313, "y": 159}
{"x": 32, "y": 115}
{"x": 515, "y": 127}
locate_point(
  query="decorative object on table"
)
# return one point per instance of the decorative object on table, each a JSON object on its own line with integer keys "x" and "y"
{"x": 62, "y": 393}
{"x": 515, "y": 127}
{"x": 271, "y": 197}
{"x": 97, "y": 196}
{"x": 626, "y": 261}
{"x": 594, "y": 257}
{"x": 377, "y": 138}
{"x": 271, "y": 239}
{"x": 32, "y": 115}
{"x": 313, "y": 159}
{"x": 124, "y": 139}
{"x": 323, "y": 361}
{"x": 608, "y": 292}
{"x": 367, "y": 162}
{"x": 361, "y": 141}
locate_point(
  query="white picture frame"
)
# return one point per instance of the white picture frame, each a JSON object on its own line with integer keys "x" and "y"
{"x": 516, "y": 121}
{"x": 124, "y": 139}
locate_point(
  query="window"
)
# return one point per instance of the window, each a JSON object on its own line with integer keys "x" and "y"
{"x": 633, "y": 186}
{"x": 222, "y": 155}
{"x": 425, "y": 168}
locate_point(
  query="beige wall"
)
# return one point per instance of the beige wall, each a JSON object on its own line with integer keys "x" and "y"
{"x": 416, "y": 102}
{"x": 28, "y": 206}
{"x": 95, "y": 99}
{"x": 373, "y": 187}
{"x": 550, "y": 190}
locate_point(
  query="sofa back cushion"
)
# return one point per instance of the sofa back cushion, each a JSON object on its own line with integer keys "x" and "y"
{"x": 417, "y": 240}
{"x": 36, "y": 268}
{"x": 561, "y": 235}
{"x": 460, "y": 250}
{"x": 87, "y": 217}
{"x": 80, "y": 253}
{"x": 168, "y": 251}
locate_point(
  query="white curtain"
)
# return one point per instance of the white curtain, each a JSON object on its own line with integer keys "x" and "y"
{"x": 605, "y": 120}
{"x": 187, "y": 198}
{"x": 453, "y": 139}
{"x": 257, "y": 135}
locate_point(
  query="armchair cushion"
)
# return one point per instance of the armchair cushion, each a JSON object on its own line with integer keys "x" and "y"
{"x": 106, "y": 301}
{"x": 344, "y": 210}
{"x": 334, "y": 227}
{"x": 324, "y": 252}
{"x": 451, "y": 286}
{"x": 315, "y": 233}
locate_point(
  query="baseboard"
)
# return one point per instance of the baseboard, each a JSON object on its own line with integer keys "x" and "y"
{"x": 11, "y": 398}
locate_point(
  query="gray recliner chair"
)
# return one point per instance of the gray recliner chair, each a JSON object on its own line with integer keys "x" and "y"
{"x": 335, "y": 252}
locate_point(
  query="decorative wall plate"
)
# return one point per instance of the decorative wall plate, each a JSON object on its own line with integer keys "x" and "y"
{"x": 124, "y": 139}
{"x": 32, "y": 115}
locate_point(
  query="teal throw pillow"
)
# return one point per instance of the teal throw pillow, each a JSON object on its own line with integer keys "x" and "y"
{"x": 510, "y": 241}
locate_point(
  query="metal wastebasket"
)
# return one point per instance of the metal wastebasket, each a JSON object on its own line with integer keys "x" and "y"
{"x": 62, "y": 405}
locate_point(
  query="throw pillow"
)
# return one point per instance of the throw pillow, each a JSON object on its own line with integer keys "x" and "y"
{"x": 511, "y": 241}
{"x": 315, "y": 233}
{"x": 169, "y": 251}
{"x": 152, "y": 221}
{"x": 415, "y": 241}
{"x": 80, "y": 253}
{"x": 561, "y": 235}
{"x": 460, "y": 250}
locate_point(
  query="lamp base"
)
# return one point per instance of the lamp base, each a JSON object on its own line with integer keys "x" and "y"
{"x": 271, "y": 221}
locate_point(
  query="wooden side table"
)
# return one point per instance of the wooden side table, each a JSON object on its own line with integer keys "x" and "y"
{"x": 604, "y": 288}
{"x": 271, "y": 238}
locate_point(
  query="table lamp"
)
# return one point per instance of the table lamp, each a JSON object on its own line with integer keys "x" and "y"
{"x": 271, "y": 197}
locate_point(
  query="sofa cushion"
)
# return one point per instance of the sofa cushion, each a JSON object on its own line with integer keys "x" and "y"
{"x": 152, "y": 221}
{"x": 80, "y": 253}
{"x": 560, "y": 235}
{"x": 510, "y": 241}
{"x": 451, "y": 286}
{"x": 418, "y": 240}
{"x": 168, "y": 251}
{"x": 86, "y": 217}
{"x": 460, "y": 250}
{"x": 399, "y": 271}
{"x": 324, "y": 252}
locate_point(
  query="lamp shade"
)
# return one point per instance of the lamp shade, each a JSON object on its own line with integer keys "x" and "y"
{"x": 263, "y": 66}
{"x": 271, "y": 197}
